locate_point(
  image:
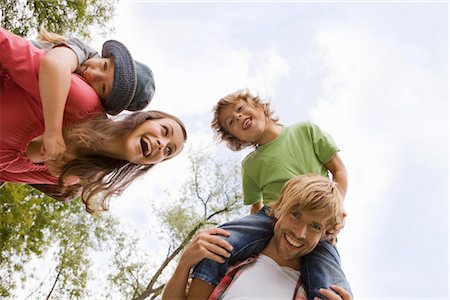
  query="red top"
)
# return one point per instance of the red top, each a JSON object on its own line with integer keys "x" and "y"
{"x": 21, "y": 117}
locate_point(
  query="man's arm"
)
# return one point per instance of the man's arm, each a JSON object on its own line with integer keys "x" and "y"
{"x": 337, "y": 169}
{"x": 55, "y": 73}
{"x": 206, "y": 244}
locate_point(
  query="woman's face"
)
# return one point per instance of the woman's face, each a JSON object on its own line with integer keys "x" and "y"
{"x": 153, "y": 141}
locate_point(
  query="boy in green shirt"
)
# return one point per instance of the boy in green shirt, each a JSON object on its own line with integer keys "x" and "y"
{"x": 242, "y": 120}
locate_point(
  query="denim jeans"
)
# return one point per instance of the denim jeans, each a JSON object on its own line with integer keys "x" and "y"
{"x": 251, "y": 234}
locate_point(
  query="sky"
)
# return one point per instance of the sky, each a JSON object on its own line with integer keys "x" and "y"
{"x": 372, "y": 74}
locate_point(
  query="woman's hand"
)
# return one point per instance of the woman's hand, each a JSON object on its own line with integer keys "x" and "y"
{"x": 53, "y": 145}
{"x": 341, "y": 294}
{"x": 207, "y": 244}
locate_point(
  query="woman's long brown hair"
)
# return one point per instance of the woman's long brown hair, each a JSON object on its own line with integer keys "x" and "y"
{"x": 100, "y": 174}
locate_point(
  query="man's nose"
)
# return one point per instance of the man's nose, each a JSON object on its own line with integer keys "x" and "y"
{"x": 300, "y": 231}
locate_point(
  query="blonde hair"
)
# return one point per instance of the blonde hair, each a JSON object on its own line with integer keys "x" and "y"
{"x": 312, "y": 193}
{"x": 50, "y": 37}
{"x": 220, "y": 134}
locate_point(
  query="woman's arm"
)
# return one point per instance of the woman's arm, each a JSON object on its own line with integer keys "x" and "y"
{"x": 55, "y": 73}
{"x": 207, "y": 244}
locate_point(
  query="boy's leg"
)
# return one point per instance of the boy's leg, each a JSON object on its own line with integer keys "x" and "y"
{"x": 248, "y": 235}
{"x": 321, "y": 268}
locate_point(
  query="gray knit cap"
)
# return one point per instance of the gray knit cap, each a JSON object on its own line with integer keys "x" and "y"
{"x": 133, "y": 85}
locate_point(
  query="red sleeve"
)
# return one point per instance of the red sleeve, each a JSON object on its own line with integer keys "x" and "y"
{"x": 20, "y": 60}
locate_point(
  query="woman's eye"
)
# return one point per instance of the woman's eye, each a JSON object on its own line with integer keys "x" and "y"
{"x": 165, "y": 131}
{"x": 105, "y": 66}
{"x": 240, "y": 108}
{"x": 104, "y": 89}
{"x": 168, "y": 151}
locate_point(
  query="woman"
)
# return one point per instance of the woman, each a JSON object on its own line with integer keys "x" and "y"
{"x": 103, "y": 156}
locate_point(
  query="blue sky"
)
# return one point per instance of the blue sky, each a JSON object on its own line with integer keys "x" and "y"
{"x": 372, "y": 74}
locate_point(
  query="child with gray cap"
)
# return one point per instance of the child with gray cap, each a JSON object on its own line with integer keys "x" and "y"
{"x": 120, "y": 82}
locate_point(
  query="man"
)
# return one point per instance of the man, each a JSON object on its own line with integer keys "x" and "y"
{"x": 308, "y": 206}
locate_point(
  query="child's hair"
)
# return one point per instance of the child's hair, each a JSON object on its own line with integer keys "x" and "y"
{"x": 51, "y": 37}
{"x": 312, "y": 193}
{"x": 98, "y": 173}
{"x": 220, "y": 134}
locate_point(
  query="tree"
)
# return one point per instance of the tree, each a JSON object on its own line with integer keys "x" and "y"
{"x": 211, "y": 194}
{"x": 34, "y": 225}
{"x": 66, "y": 17}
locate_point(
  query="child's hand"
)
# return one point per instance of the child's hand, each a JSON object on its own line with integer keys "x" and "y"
{"x": 332, "y": 233}
{"x": 341, "y": 293}
{"x": 207, "y": 244}
{"x": 53, "y": 145}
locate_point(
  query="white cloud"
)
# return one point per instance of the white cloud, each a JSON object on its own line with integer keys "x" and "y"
{"x": 382, "y": 105}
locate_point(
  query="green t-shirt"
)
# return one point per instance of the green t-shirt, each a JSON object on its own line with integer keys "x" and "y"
{"x": 299, "y": 149}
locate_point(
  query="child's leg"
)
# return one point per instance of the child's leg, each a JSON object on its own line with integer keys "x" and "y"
{"x": 248, "y": 235}
{"x": 322, "y": 268}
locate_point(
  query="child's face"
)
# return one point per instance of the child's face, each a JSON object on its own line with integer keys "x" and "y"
{"x": 244, "y": 121}
{"x": 99, "y": 73}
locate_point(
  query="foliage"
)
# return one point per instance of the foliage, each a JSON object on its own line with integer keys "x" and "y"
{"x": 74, "y": 17}
{"x": 33, "y": 225}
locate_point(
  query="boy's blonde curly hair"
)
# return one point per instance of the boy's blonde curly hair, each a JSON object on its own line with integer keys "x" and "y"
{"x": 220, "y": 134}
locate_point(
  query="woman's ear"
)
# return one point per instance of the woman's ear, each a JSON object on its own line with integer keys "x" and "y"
{"x": 71, "y": 180}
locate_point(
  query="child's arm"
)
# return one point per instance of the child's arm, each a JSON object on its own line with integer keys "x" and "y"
{"x": 337, "y": 169}
{"x": 54, "y": 83}
{"x": 256, "y": 207}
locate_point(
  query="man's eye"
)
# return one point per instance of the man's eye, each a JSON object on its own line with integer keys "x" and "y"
{"x": 105, "y": 66}
{"x": 295, "y": 214}
{"x": 316, "y": 227}
{"x": 104, "y": 89}
{"x": 240, "y": 108}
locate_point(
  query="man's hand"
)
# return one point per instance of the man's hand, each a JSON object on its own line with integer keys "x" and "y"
{"x": 53, "y": 145}
{"x": 207, "y": 244}
{"x": 341, "y": 293}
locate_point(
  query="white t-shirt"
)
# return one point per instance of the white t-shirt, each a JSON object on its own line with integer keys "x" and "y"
{"x": 264, "y": 279}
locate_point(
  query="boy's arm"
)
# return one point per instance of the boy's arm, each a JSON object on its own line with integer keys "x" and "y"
{"x": 207, "y": 244}
{"x": 337, "y": 169}
{"x": 55, "y": 73}
{"x": 256, "y": 207}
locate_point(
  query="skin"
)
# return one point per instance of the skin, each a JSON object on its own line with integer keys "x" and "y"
{"x": 248, "y": 123}
{"x": 57, "y": 66}
{"x": 163, "y": 137}
{"x": 296, "y": 233}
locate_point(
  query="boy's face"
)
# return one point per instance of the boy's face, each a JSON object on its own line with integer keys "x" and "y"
{"x": 99, "y": 73}
{"x": 297, "y": 233}
{"x": 244, "y": 121}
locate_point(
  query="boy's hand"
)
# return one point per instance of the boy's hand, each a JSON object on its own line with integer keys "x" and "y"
{"x": 332, "y": 233}
{"x": 341, "y": 293}
{"x": 53, "y": 145}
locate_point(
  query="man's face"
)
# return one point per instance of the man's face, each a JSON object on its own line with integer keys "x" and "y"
{"x": 296, "y": 233}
